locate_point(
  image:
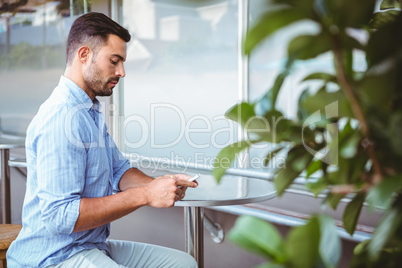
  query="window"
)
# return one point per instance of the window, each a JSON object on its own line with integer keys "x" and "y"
{"x": 32, "y": 57}
{"x": 183, "y": 75}
{"x": 181, "y": 78}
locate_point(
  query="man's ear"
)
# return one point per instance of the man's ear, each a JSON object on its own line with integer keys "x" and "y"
{"x": 83, "y": 54}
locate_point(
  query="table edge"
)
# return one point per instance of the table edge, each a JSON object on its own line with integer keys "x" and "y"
{"x": 211, "y": 203}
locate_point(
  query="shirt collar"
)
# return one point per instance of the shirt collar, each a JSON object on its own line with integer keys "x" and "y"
{"x": 79, "y": 94}
{"x": 96, "y": 105}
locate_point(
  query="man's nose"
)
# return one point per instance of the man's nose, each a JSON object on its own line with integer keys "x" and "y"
{"x": 120, "y": 71}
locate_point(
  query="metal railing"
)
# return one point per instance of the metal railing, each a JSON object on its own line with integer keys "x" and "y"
{"x": 279, "y": 219}
{"x": 296, "y": 188}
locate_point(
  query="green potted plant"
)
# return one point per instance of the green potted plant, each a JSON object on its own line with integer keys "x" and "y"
{"x": 359, "y": 155}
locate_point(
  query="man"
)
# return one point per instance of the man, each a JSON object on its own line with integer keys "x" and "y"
{"x": 74, "y": 167}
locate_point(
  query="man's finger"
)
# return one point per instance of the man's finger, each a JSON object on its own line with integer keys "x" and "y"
{"x": 182, "y": 177}
{"x": 185, "y": 183}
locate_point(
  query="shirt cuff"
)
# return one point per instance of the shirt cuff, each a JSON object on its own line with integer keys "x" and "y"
{"x": 64, "y": 219}
{"x": 73, "y": 212}
{"x": 118, "y": 175}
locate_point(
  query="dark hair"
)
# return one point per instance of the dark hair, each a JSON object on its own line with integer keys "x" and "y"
{"x": 92, "y": 29}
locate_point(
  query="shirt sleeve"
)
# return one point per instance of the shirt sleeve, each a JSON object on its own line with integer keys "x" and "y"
{"x": 120, "y": 164}
{"x": 61, "y": 162}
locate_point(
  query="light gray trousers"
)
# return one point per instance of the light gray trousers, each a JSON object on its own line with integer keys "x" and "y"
{"x": 129, "y": 254}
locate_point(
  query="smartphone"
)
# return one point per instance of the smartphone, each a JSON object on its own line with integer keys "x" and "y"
{"x": 194, "y": 178}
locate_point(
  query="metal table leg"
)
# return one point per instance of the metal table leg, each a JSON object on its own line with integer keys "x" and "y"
{"x": 194, "y": 233}
{"x": 215, "y": 230}
{"x": 5, "y": 186}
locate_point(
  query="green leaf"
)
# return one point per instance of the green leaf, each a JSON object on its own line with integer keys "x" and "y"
{"x": 352, "y": 212}
{"x": 387, "y": 4}
{"x": 333, "y": 200}
{"x": 259, "y": 237}
{"x": 349, "y": 139}
{"x": 344, "y": 169}
{"x": 349, "y": 145}
{"x": 285, "y": 130}
{"x": 226, "y": 156}
{"x": 258, "y": 125}
{"x": 280, "y": 126}
{"x": 321, "y": 76}
{"x": 322, "y": 98}
{"x": 395, "y": 131}
{"x": 271, "y": 155}
{"x": 355, "y": 13}
{"x": 346, "y": 130}
{"x": 357, "y": 166}
{"x": 313, "y": 167}
{"x": 380, "y": 19}
{"x": 318, "y": 186}
{"x": 272, "y": 127}
{"x": 347, "y": 56}
{"x": 270, "y": 23}
{"x": 331, "y": 138}
{"x": 302, "y": 244}
{"x": 382, "y": 194}
{"x": 297, "y": 160}
{"x": 387, "y": 228}
{"x": 385, "y": 43}
{"x": 302, "y": 113}
{"x": 267, "y": 102}
{"x": 241, "y": 113}
{"x": 284, "y": 178}
{"x": 264, "y": 104}
{"x": 305, "y": 47}
{"x": 303, "y": 134}
{"x": 349, "y": 43}
{"x": 361, "y": 247}
{"x": 368, "y": 90}
{"x": 277, "y": 86}
{"x": 274, "y": 115}
{"x": 330, "y": 244}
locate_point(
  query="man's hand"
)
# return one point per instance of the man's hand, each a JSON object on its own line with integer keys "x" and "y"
{"x": 164, "y": 191}
{"x": 137, "y": 190}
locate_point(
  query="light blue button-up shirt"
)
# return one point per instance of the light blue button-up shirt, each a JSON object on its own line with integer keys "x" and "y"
{"x": 70, "y": 156}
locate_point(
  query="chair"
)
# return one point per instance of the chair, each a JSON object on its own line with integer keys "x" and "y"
{"x": 8, "y": 232}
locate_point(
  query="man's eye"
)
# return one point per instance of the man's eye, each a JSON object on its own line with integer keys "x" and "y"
{"x": 113, "y": 62}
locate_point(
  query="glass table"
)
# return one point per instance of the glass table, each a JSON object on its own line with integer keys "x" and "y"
{"x": 7, "y": 143}
{"x": 232, "y": 190}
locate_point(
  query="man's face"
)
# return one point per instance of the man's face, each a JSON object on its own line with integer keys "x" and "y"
{"x": 106, "y": 67}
